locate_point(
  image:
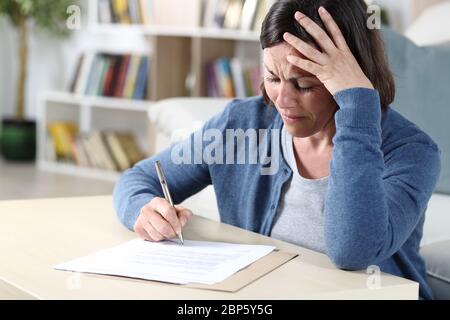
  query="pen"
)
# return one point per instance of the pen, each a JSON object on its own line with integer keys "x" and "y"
{"x": 165, "y": 188}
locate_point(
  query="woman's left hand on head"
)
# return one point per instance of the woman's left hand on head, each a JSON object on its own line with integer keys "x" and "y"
{"x": 335, "y": 66}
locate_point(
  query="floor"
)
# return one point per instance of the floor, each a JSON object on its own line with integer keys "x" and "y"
{"x": 26, "y": 181}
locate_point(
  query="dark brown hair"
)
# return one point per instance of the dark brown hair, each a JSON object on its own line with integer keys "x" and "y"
{"x": 351, "y": 16}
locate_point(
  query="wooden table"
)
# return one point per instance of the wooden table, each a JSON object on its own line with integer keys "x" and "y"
{"x": 37, "y": 234}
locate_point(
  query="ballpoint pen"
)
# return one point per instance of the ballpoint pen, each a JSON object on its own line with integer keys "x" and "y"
{"x": 165, "y": 188}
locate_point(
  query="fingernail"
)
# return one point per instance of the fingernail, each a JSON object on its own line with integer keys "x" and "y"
{"x": 183, "y": 221}
{"x": 299, "y": 15}
{"x": 322, "y": 10}
{"x": 286, "y": 35}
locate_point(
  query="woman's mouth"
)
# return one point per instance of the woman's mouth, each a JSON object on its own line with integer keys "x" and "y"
{"x": 291, "y": 119}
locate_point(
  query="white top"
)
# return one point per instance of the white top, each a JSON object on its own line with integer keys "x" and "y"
{"x": 300, "y": 214}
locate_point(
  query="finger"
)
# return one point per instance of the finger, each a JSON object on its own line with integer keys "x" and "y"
{"x": 169, "y": 213}
{"x": 162, "y": 225}
{"x": 316, "y": 32}
{"x": 154, "y": 234}
{"x": 184, "y": 215}
{"x": 305, "y": 64}
{"x": 141, "y": 232}
{"x": 304, "y": 48}
{"x": 333, "y": 28}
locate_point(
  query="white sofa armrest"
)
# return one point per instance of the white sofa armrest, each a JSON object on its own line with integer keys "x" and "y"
{"x": 437, "y": 220}
{"x": 171, "y": 115}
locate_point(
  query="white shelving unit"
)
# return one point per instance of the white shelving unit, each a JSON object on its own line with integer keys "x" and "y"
{"x": 90, "y": 113}
{"x": 177, "y": 54}
{"x": 167, "y": 31}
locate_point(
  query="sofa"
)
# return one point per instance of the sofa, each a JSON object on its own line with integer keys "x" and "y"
{"x": 421, "y": 97}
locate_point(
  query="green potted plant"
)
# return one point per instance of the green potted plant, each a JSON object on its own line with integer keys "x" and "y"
{"x": 18, "y": 134}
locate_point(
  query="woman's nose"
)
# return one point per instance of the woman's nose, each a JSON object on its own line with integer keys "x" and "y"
{"x": 286, "y": 96}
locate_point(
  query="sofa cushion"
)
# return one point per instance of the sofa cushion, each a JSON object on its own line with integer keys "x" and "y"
{"x": 437, "y": 257}
{"x": 423, "y": 91}
{"x": 437, "y": 222}
{"x": 181, "y": 116}
{"x": 432, "y": 26}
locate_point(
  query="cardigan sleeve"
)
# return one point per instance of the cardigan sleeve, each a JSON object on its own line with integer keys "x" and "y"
{"x": 374, "y": 200}
{"x": 184, "y": 167}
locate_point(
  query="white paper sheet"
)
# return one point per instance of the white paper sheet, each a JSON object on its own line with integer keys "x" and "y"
{"x": 194, "y": 262}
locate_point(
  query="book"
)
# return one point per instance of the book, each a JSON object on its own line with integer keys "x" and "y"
{"x": 261, "y": 12}
{"x": 134, "y": 11}
{"x": 132, "y": 73}
{"x": 82, "y": 154}
{"x": 229, "y": 78}
{"x": 212, "y": 85}
{"x": 105, "y": 12}
{"x": 99, "y": 82}
{"x": 238, "y": 78}
{"x": 94, "y": 76}
{"x": 121, "y": 76}
{"x": 112, "y": 75}
{"x": 120, "y": 10}
{"x": 76, "y": 76}
{"x": 117, "y": 151}
{"x": 220, "y": 13}
{"x": 210, "y": 13}
{"x": 63, "y": 134}
{"x": 130, "y": 146}
{"x": 233, "y": 14}
{"x": 141, "y": 80}
{"x": 83, "y": 77}
{"x": 225, "y": 77}
{"x": 101, "y": 151}
{"x": 105, "y": 83}
{"x": 91, "y": 153}
{"x": 248, "y": 14}
{"x": 146, "y": 10}
{"x": 110, "y": 87}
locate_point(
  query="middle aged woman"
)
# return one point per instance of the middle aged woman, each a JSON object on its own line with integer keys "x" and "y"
{"x": 354, "y": 176}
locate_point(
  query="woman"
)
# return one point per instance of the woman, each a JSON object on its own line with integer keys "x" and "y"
{"x": 354, "y": 176}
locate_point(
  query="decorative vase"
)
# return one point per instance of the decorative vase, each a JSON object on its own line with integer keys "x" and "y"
{"x": 18, "y": 140}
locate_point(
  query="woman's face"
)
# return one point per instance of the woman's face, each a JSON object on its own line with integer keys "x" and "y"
{"x": 302, "y": 100}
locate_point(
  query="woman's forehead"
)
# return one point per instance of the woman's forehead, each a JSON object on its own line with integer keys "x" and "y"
{"x": 275, "y": 59}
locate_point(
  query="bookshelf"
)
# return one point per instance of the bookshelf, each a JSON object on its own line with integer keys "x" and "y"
{"x": 90, "y": 113}
{"x": 184, "y": 45}
{"x": 178, "y": 55}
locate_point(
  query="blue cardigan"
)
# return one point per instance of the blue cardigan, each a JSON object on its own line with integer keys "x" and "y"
{"x": 383, "y": 172}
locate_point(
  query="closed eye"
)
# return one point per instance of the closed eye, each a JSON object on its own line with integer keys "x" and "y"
{"x": 294, "y": 83}
{"x": 272, "y": 80}
{"x": 302, "y": 89}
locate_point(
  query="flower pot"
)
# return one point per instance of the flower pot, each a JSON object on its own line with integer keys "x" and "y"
{"x": 18, "y": 140}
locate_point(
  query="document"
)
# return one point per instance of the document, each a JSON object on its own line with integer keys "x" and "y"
{"x": 194, "y": 262}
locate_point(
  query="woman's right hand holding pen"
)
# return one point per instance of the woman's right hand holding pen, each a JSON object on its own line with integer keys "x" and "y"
{"x": 158, "y": 220}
